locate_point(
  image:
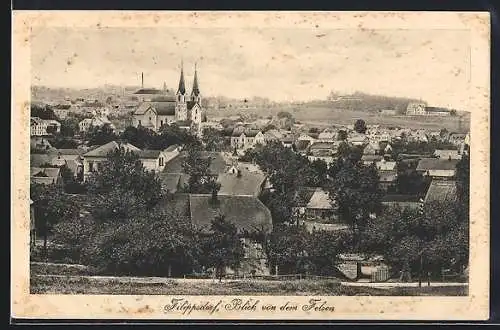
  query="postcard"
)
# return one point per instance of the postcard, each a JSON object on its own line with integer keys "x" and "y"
{"x": 250, "y": 165}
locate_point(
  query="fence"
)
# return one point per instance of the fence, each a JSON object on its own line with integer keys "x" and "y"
{"x": 284, "y": 277}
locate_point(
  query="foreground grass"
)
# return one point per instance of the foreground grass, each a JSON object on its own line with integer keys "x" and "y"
{"x": 89, "y": 285}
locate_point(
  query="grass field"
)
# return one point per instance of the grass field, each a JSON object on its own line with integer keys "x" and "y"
{"x": 46, "y": 284}
{"x": 324, "y": 116}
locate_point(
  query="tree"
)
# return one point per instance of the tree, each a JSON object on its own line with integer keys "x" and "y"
{"x": 222, "y": 247}
{"x": 214, "y": 140}
{"x": 453, "y": 112}
{"x": 69, "y": 126}
{"x": 200, "y": 181}
{"x": 42, "y": 112}
{"x": 342, "y": 135}
{"x": 122, "y": 171}
{"x": 52, "y": 207}
{"x": 318, "y": 175}
{"x": 314, "y": 130}
{"x": 100, "y": 135}
{"x": 141, "y": 137}
{"x": 360, "y": 126}
{"x": 287, "y": 248}
{"x": 436, "y": 238}
{"x": 356, "y": 190}
{"x": 443, "y": 133}
{"x": 51, "y": 129}
{"x": 323, "y": 249}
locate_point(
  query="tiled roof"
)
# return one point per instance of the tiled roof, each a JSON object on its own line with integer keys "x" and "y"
{"x": 217, "y": 165}
{"x": 441, "y": 191}
{"x": 388, "y": 176}
{"x": 246, "y": 213}
{"x": 248, "y": 184}
{"x": 163, "y": 98}
{"x": 322, "y": 145}
{"x": 385, "y": 166}
{"x": 427, "y": 164}
{"x": 44, "y": 172}
{"x": 251, "y": 132}
{"x": 103, "y": 150}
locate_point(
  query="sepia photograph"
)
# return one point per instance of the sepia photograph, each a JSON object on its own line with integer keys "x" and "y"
{"x": 194, "y": 155}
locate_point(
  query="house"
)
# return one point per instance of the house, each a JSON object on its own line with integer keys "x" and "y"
{"x": 154, "y": 115}
{"x": 72, "y": 159}
{"x": 457, "y": 138}
{"x": 384, "y": 165}
{"x": 288, "y": 141}
{"x": 246, "y": 139}
{"x": 272, "y": 135}
{"x": 358, "y": 139}
{"x": 420, "y": 109}
{"x": 369, "y": 159}
{"x": 327, "y": 135}
{"x": 447, "y": 154}
{"x": 43, "y": 127}
{"x": 247, "y": 213}
{"x": 174, "y": 177}
{"x": 437, "y": 168}
{"x": 387, "y": 179}
{"x": 306, "y": 137}
{"x": 372, "y": 148}
{"x": 320, "y": 207}
{"x": 323, "y": 149}
{"x": 46, "y": 176}
{"x": 439, "y": 190}
{"x": 40, "y": 143}
{"x": 241, "y": 182}
{"x": 98, "y": 121}
{"x": 151, "y": 159}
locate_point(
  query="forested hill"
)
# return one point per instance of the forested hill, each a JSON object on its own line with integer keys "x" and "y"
{"x": 367, "y": 102}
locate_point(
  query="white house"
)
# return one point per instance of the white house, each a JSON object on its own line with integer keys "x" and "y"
{"x": 246, "y": 139}
{"x": 154, "y": 160}
{"x": 38, "y": 126}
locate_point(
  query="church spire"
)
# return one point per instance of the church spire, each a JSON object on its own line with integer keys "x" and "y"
{"x": 196, "y": 89}
{"x": 182, "y": 85}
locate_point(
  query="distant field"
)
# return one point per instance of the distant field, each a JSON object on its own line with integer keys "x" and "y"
{"x": 46, "y": 284}
{"x": 324, "y": 116}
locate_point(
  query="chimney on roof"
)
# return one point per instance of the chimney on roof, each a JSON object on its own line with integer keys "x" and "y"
{"x": 142, "y": 79}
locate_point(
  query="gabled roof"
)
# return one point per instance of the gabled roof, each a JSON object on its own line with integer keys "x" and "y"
{"x": 190, "y": 104}
{"x": 320, "y": 200}
{"x": 49, "y": 172}
{"x": 166, "y": 108}
{"x": 385, "y": 166}
{"x": 427, "y": 164}
{"x": 388, "y": 176}
{"x": 322, "y": 145}
{"x": 248, "y": 184}
{"x": 103, "y": 150}
{"x": 163, "y": 98}
{"x": 246, "y": 213}
{"x": 217, "y": 165}
{"x": 251, "y": 132}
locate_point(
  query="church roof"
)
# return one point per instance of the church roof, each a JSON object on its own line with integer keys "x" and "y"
{"x": 182, "y": 84}
{"x": 196, "y": 88}
{"x": 190, "y": 104}
{"x": 161, "y": 108}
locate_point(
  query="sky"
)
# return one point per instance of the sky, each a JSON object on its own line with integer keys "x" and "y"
{"x": 282, "y": 64}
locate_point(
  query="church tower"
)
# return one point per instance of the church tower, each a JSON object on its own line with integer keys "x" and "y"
{"x": 195, "y": 94}
{"x": 180, "y": 100}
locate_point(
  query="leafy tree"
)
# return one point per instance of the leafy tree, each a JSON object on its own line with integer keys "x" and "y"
{"x": 342, "y": 135}
{"x": 222, "y": 247}
{"x": 200, "y": 181}
{"x": 60, "y": 141}
{"x": 323, "y": 248}
{"x": 42, "y": 112}
{"x": 287, "y": 248}
{"x": 314, "y": 130}
{"x": 152, "y": 242}
{"x": 318, "y": 174}
{"x": 453, "y": 112}
{"x": 122, "y": 171}
{"x": 436, "y": 238}
{"x": 141, "y": 137}
{"x": 356, "y": 190}
{"x": 443, "y": 133}
{"x": 214, "y": 140}
{"x": 284, "y": 114}
{"x": 100, "y": 135}
{"x": 51, "y": 207}
{"x": 52, "y": 129}
{"x": 69, "y": 126}
{"x": 360, "y": 126}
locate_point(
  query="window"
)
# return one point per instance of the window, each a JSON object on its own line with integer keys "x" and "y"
{"x": 161, "y": 123}
{"x": 161, "y": 161}
{"x": 149, "y": 118}
{"x": 139, "y": 122}
{"x": 91, "y": 166}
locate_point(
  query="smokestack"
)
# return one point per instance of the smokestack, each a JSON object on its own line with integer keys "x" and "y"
{"x": 142, "y": 79}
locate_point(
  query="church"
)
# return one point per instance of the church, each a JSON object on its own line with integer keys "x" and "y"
{"x": 158, "y": 108}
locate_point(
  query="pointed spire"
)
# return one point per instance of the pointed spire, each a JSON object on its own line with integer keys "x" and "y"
{"x": 182, "y": 85}
{"x": 196, "y": 89}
